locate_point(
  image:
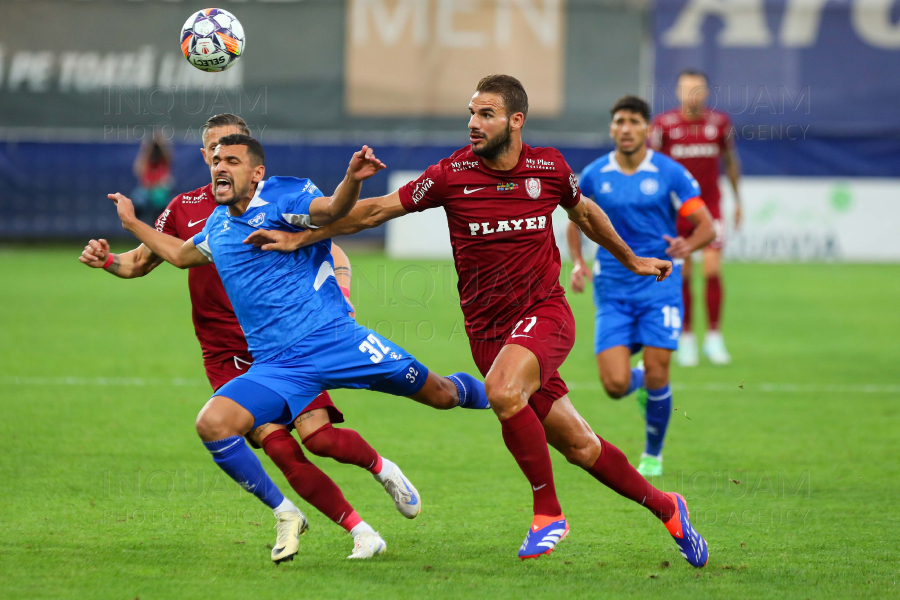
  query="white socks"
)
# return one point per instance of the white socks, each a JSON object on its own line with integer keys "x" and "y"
{"x": 286, "y": 505}
{"x": 362, "y": 527}
{"x": 387, "y": 467}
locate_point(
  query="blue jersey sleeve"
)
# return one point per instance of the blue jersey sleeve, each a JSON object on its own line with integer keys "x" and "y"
{"x": 294, "y": 199}
{"x": 201, "y": 240}
{"x": 586, "y": 181}
{"x": 683, "y": 186}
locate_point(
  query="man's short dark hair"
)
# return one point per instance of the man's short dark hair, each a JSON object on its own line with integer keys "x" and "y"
{"x": 507, "y": 87}
{"x": 225, "y": 120}
{"x": 693, "y": 73}
{"x": 631, "y": 104}
{"x": 254, "y": 148}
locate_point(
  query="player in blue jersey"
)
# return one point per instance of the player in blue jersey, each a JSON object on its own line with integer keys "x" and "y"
{"x": 293, "y": 314}
{"x": 643, "y": 192}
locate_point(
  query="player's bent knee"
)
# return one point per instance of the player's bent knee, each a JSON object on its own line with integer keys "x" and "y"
{"x": 615, "y": 387}
{"x": 505, "y": 398}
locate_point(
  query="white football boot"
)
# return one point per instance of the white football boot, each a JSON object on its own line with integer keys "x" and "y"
{"x": 403, "y": 492}
{"x": 290, "y": 526}
{"x": 714, "y": 348}
{"x": 687, "y": 355}
{"x": 367, "y": 544}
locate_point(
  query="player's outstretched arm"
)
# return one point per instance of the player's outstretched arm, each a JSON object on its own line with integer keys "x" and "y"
{"x": 183, "y": 255}
{"x": 591, "y": 219}
{"x": 580, "y": 270}
{"x": 367, "y": 214}
{"x": 128, "y": 265}
{"x": 327, "y": 210}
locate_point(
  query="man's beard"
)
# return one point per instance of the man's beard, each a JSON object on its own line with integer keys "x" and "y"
{"x": 236, "y": 195}
{"x": 493, "y": 148}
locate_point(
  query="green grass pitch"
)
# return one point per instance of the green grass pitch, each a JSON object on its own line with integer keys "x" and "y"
{"x": 108, "y": 493}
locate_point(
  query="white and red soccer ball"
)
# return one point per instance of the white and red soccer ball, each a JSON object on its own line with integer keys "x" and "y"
{"x": 212, "y": 39}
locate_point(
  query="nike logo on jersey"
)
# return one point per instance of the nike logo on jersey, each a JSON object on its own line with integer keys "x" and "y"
{"x": 192, "y": 223}
{"x": 466, "y": 190}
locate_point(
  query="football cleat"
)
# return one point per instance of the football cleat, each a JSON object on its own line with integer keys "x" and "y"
{"x": 406, "y": 497}
{"x": 687, "y": 350}
{"x": 691, "y": 544}
{"x": 290, "y": 526}
{"x": 650, "y": 466}
{"x": 368, "y": 544}
{"x": 714, "y": 348}
{"x": 545, "y": 533}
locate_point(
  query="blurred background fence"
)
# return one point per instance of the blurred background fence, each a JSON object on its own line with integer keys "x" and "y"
{"x": 811, "y": 87}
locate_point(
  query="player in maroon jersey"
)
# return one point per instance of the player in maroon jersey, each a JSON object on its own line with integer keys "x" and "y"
{"x": 498, "y": 195}
{"x": 698, "y": 138}
{"x": 225, "y": 356}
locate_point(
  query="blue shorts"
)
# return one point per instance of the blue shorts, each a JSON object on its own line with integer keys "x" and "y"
{"x": 638, "y": 324}
{"x": 342, "y": 354}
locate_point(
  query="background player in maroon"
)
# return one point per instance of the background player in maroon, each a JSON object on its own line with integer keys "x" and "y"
{"x": 498, "y": 195}
{"x": 225, "y": 354}
{"x": 698, "y": 138}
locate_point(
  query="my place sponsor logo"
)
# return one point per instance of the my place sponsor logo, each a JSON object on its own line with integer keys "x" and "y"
{"x": 540, "y": 163}
{"x": 193, "y": 199}
{"x": 463, "y": 165}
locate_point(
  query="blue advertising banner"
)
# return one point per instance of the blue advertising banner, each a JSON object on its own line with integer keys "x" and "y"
{"x": 786, "y": 69}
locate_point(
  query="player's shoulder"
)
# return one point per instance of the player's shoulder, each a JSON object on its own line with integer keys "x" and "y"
{"x": 598, "y": 165}
{"x": 665, "y": 164}
{"x": 279, "y": 188}
{"x": 669, "y": 118}
{"x": 718, "y": 118}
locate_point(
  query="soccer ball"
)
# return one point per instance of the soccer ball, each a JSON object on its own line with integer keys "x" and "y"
{"x": 212, "y": 39}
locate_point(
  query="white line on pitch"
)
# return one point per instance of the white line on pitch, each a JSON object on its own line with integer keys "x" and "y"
{"x": 803, "y": 388}
{"x": 104, "y": 381}
{"x": 837, "y": 388}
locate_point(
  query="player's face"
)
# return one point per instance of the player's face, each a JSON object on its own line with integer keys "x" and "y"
{"x": 693, "y": 91}
{"x": 233, "y": 174}
{"x": 490, "y": 128}
{"x": 629, "y": 131}
{"x": 211, "y": 140}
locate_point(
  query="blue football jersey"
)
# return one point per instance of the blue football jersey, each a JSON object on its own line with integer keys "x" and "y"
{"x": 642, "y": 207}
{"x": 279, "y": 298}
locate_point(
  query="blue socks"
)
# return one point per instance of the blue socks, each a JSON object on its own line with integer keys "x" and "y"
{"x": 471, "y": 391}
{"x": 659, "y": 409}
{"x": 235, "y": 458}
{"x": 637, "y": 380}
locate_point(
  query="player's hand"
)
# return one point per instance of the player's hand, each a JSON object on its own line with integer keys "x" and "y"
{"x": 678, "y": 247}
{"x": 738, "y": 216}
{"x": 95, "y": 253}
{"x": 579, "y": 274}
{"x": 364, "y": 164}
{"x": 280, "y": 241}
{"x": 125, "y": 208}
{"x": 652, "y": 266}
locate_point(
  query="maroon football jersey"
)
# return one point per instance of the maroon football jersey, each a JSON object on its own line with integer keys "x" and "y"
{"x": 695, "y": 143}
{"x": 215, "y": 324}
{"x": 501, "y": 231}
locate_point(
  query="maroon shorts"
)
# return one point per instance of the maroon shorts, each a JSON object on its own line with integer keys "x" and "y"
{"x": 548, "y": 330}
{"x": 220, "y": 373}
{"x": 685, "y": 228}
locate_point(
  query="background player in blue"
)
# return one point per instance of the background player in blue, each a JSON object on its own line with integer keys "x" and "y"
{"x": 292, "y": 311}
{"x": 642, "y": 192}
